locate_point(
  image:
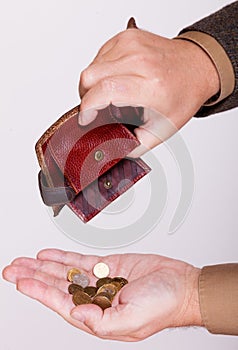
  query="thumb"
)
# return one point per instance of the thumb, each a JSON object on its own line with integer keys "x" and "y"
{"x": 147, "y": 139}
{"x": 110, "y": 323}
{"x": 86, "y": 117}
{"x": 91, "y": 315}
{"x": 156, "y": 129}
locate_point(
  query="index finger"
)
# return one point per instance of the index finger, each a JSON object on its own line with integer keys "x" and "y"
{"x": 51, "y": 297}
{"x": 86, "y": 262}
{"x": 68, "y": 258}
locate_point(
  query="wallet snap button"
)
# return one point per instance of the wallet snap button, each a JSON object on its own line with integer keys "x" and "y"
{"x": 107, "y": 184}
{"x": 98, "y": 155}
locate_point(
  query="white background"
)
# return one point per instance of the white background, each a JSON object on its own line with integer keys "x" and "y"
{"x": 44, "y": 46}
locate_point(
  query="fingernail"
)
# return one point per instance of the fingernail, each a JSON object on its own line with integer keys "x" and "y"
{"x": 86, "y": 117}
{"x": 78, "y": 316}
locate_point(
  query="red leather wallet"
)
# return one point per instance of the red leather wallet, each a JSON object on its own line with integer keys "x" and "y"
{"x": 85, "y": 167}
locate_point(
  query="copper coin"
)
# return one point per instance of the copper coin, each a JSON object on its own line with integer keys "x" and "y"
{"x": 71, "y": 273}
{"x": 102, "y": 300}
{"x": 108, "y": 288}
{"x": 80, "y": 298}
{"x": 90, "y": 290}
{"x": 104, "y": 294}
{"x": 121, "y": 280}
{"x": 117, "y": 285}
{"x": 103, "y": 281}
{"x": 73, "y": 288}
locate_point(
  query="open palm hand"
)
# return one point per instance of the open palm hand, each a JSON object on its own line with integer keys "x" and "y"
{"x": 161, "y": 292}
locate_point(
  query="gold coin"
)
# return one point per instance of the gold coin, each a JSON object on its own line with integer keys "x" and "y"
{"x": 101, "y": 270}
{"x": 73, "y": 288}
{"x": 121, "y": 280}
{"x": 90, "y": 290}
{"x": 103, "y": 281}
{"x": 109, "y": 289}
{"x": 104, "y": 294}
{"x": 71, "y": 273}
{"x": 117, "y": 285}
{"x": 80, "y": 298}
{"x": 103, "y": 300}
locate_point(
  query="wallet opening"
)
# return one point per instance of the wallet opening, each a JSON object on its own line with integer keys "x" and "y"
{"x": 83, "y": 167}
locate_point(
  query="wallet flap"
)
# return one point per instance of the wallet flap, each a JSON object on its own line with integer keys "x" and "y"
{"x": 108, "y": 187}
{"x": 83, "y": 153}
{"x": 100, "y": 193}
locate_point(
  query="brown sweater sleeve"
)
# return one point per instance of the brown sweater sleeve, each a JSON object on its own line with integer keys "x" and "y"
{"x": 223, "y": 27}
{"x": 218, "y": 294}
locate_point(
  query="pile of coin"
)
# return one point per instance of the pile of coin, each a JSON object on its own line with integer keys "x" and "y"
{"x": 102, "y": 294}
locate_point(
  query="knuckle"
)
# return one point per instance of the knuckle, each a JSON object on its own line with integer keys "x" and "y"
{"x": 83, "y": 104}
{"x": 141, "y": 58}
{"x": 101, "y": 332}
{"x": 108, "y": 84}
{"x": 102, "y": 50}
{"x": 128, "y": 38}
{"x": 157, "y": 84}
{"x": 129, "y": 34}
{"x": 86, "y": 77}
{"x": 121, "y": 36}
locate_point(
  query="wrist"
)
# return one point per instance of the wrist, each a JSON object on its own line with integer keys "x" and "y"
{"x": 203, "y": 73}
{"x": 194, "y": 311}
{"x": 191, "y": 312}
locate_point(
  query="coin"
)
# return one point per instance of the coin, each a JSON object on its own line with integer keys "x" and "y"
{"x": 80, "y": 298}
{"x": 71, "y": 274}
{"x": 121, "y": 280}
{"x": 103, "y": 300}
{"x": 90, "y": 290}
{"x": 101, "y": 295}
{"x": 103, "y": 281}
{"x": 73, "y": 288}
{"x": 117, "y": 285}
{"x": 81, "y": 279}
{"x": 101, "y": 270}
{"x": 109, "y": 289}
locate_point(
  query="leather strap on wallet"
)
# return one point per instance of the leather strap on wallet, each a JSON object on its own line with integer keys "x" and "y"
{"x": 85, "y": 167}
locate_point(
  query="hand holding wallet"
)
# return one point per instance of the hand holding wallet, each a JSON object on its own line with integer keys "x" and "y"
{"x": 85, "y": 167}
